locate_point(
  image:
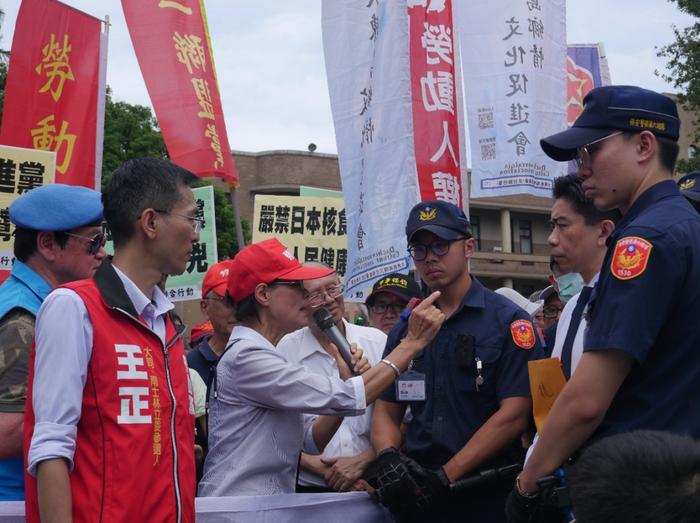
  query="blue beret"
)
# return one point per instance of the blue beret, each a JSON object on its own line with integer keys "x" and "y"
{"x": 56, "y": 207}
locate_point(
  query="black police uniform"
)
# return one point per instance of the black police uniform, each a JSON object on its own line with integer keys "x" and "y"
{"x": 646, "y": 304}
{"x": 488, "y": 328}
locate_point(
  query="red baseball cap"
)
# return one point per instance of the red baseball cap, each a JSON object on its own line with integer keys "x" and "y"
{"x": 265, "y": 262}
{"x": 216, "y": 278}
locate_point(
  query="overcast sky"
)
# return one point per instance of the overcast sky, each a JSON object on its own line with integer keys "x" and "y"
{"x": 269, "y": 59}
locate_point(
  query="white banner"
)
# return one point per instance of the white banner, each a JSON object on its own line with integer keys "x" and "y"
{"x": 514, "y": 64}
{"x": 352, "y": 507}
{"x": 367, "y": 62}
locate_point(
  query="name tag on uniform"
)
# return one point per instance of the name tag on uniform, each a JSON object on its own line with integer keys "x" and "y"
{"x": 411, "y": 386}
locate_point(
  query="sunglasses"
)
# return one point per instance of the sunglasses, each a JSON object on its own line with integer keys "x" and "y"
{"x": 96, "y": 242}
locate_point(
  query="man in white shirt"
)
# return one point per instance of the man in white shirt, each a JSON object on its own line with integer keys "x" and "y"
{"x": 347, "y": 455}
{"x": 578, "y": 242}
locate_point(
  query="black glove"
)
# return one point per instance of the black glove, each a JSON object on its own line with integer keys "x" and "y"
{"x": 523, "y": 509}
{"x": 404, "y": 486}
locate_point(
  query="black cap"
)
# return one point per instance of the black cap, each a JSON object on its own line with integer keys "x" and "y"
{"x": 443, "y": 219}
{"x": 615, "y": 108}
{"x": 690, "y": 186}
{"x": 398, "y": 284}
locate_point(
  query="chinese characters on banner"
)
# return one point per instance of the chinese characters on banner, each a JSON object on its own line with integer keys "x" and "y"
{"x": 313, "y": 229}
{"x": 21, "y": 170}
{"x": 172, "y": 46}
{"x": 188, "y": 285}
{"x": 53, "y": 89}
{"x": 586, "y": 68}
{"x": 513, "y": 58}
{"x": 366, "y": 50}
{"x": 433, "y": 82}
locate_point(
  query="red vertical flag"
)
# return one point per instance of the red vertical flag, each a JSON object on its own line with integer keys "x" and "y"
{"x": 53, "y": 87}
{"x": 173, "y": 49}
{"x": 434, "y": 94}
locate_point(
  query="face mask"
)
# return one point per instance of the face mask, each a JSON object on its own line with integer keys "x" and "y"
{"x": 569, "y": 285}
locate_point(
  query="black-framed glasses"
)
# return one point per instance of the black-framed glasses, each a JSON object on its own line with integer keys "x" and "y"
{"x": 382, "y": 308}
{"x": 419, "y": 251}
{"x": 197, "y": 223}
{"x": 96, "y": 242}
{"x": 583, "y": 154}
{"x": 318, "y": 298}
{"x": 551, "y": 312}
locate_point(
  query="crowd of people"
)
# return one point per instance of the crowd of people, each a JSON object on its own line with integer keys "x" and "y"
{"x": 106, "y": 413}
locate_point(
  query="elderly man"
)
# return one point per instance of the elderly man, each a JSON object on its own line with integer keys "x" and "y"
{"x": 389, "y": 298}
{"x": 58, "y": 239}
{"x": 639, "y": 368}
{"x": 348, "y": 453}
{"x": 110, "y": 430}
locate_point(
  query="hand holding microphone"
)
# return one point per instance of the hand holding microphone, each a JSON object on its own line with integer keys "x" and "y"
{"x": 352, "y": 356}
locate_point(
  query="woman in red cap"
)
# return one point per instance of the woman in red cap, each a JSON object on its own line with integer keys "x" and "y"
{"x": 256, "y": 428}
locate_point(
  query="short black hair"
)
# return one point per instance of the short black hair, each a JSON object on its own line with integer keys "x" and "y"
{"x": 246, "y": 309}
{"x": 569, "y": 187}
{"x": 139, "y": 184}
{"x": 640, "y": 477}
{"x": 668, "y": 150}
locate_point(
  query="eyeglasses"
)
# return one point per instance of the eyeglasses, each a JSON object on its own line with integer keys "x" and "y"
{"x": 96, "y": 242}
{"x": 383, "y": 308}
{"x": 419, "y": 251}
{"x": 225, "y": 301}
{"x": 291, "y": 283}
{"x": 317, "y": 298}
{"x": 551, "y": 312}
{"x": 197, "y": 223}
{"x": 583, "y": 154}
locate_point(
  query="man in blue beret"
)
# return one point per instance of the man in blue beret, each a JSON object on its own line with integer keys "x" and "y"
{"x": 639, "y": 369}
{"x": 58, "y": 239}
{"x": 690, "y": 188}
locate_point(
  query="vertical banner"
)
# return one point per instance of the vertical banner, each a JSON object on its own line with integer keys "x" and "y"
{"x": 51, "y": 98}
{"x": 313, "y": 228}
{"x": 172, "y": 46}
{"x": 513, "y": 58}
{"x": 367, "y": 62}
{"x": 586, "y": 68}
{"x": 433, "y": 84}
{"x": 21, "y": 170}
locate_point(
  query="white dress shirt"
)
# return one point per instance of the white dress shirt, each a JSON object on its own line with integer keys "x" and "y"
{"x": 256, "y": 426}
{"x": 577, "y": 347}
{"x": 63, "y": 339}
{"x": 301, "y": 347}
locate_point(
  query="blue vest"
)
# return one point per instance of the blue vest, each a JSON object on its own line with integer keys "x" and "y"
{"x": 23, "y": 289}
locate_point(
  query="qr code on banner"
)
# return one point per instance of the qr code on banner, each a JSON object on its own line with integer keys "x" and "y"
{"x": 485, "y": 119}
{"x": 488, "y": 151}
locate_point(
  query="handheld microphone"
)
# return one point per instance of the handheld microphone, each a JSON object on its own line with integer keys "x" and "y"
{"x": 326, "y": 323}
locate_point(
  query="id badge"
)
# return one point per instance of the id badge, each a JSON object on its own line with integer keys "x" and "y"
{"x": 410, "y": 386}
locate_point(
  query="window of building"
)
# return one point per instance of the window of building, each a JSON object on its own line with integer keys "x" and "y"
{"x": 476, "y": 231}
{"x": 525, "y": 230}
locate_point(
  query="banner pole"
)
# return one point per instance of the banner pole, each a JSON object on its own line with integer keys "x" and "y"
{"x": 237, "y": 217}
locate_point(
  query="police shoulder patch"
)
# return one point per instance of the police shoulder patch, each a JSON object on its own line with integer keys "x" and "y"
{"x": 523, "y": 334}
{"x": 630, "y": 258}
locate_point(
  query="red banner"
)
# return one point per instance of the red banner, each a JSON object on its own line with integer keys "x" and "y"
{"x": 433, "y": 87}
{"x": 52, "y": 87}
{"x": 173, "y": 49}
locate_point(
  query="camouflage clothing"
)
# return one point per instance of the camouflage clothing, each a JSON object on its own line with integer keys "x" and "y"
{"x": 16, "y": 335}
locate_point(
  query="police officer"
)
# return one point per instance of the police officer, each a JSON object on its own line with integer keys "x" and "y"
{"x": 690, "y": 188}
{"x": 639, "y": 369}
{"x": 58, "y": 238}
{"x": 468, "y": 389}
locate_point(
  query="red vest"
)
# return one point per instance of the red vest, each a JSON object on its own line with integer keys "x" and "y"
{"x": 134, "y": 456}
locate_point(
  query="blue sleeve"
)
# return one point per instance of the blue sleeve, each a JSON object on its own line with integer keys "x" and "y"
{"x": 513, "y": 378}
{"x": 628, "y": 314}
